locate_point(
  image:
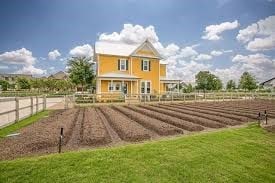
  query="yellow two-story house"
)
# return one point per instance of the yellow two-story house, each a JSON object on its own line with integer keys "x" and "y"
{"x": 131, "y": 69}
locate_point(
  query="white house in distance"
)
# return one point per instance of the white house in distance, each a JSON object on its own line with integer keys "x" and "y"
{"x": 269, "y": 84}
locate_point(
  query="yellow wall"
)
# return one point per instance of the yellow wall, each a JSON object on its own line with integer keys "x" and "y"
{"x": 109, "y": 64}
{"x": 163, "y": 70}
{"x": 146, "y": 52}
{"x": 152, "y": 75}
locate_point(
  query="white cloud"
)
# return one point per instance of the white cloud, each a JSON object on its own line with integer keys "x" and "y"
{"x": 30, "y": 69}
{"x": 216, "y": 53}
{"x": 260, "y": 65}
{"x": 21, "y": 56}
{"x": 259, "y": 36}
{"x": 132, "y": 34}
{"x": 85, "y": 50}
{"x": 52, "y": 55}
{"x": 252, "y": 59}
{"x": 212, "y": 32}
{"x": 202, "y": 56}
{"x": 188, "y": 51}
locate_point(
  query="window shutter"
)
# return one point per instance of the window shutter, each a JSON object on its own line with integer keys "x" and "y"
{"x": 118, "y": 64}
{"x": 142, "y": 65}
{"x": 149, "y": 65}
{"x": 127, "y": 65}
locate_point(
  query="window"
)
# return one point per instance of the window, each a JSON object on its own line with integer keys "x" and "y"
{"x": 145, "y": 65}
{"x": 145, "y": 87}
{"x": 122, "y": 64}
{"x": 115, "y": 87}
{"x": 142, "y": 87}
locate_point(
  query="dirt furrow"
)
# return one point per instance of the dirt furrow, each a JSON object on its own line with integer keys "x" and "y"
{"x": 158, "y": 126}
{"x": 186, "y": 125}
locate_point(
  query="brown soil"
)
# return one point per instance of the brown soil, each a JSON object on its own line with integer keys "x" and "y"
{"x": 109, "y": 126}
{"x": 94, "y": 132}
{"x": 158, "y": 126}
{"x": 193, "y": 119}
{"x": 186, "y": 125}
{"x": 127, "y": 129}
{"x": 219, "y": 119}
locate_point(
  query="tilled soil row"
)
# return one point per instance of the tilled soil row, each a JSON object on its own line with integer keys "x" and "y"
{"x": 224, "y": 110}
{"x": 194, "y": 119}
{"x": 158, "y": 126}
{"x": 255, "y": 109}
{"x": 94, "y": 131}
{"x": 74, "y": 139}
{"x": 206, "y": 111}
{"x": 40, "y": 136}
{"x": 226, "y": 121}
{"x": 127, "y": 130}
{"x": 186, "y": 125}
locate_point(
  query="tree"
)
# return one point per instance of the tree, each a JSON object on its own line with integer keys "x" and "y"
{"x": 23, "y": 83}
{"x": 188, "y": 88}
{"x": 231, "y": 85}
{"x": 247, "y": 82}
{"x": 4, "y": 85}
{"x": 81, "y": 71}
{"x": 207, "y": 81}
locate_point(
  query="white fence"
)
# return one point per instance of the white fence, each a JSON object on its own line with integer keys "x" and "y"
{"x": 15, "y": 109}
{"x": 167, "y": 97}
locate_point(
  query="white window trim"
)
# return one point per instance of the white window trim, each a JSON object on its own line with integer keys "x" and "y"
{"x": 145, "y": 89}
{"x": 124, "y": 60}
{"x": 143, "y": 61}
{"x": 114, "y": 86}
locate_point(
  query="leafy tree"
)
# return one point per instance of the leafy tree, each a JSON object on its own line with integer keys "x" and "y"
{"x": 23, "y": 83}
{"x": 247, "y": 82}
{"x": 207, "y": 81}
{"x": 4, "y": 85}
{"x": 231, "y": 85}
{"x": 81, "y": 71}
{"x": 188, "y": 88}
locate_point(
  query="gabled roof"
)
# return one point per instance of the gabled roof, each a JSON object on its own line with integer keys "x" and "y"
{"x": 59, "y": 75}
{"x": 122, "y": 49}
{"x": 267, "y": 81}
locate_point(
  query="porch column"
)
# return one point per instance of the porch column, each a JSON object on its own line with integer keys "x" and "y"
{"x": 131, "y": 87}
{"x": 122, "y": 86}
{"x": 112, "y": 86}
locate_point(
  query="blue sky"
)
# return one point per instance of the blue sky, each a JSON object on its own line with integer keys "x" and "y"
{"x": 31, "y": 29}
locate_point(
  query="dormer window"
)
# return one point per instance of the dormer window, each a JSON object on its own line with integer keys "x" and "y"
{"x": 122, "y": 64}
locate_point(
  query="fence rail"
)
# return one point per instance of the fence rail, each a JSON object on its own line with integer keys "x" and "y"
{"x": 15, "y": 109}
{"x": 167, "y": 97}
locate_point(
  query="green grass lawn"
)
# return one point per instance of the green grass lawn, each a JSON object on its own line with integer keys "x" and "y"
{"x": 25, "y": 122}
{"x": 231, "y": 155}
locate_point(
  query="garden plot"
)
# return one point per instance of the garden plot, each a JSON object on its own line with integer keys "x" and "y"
{"x": 92, "y": 127}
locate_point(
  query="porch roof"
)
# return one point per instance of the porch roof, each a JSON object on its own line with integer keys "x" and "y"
{"x": 118, "y": 76}
{"x": 169, "y": 80}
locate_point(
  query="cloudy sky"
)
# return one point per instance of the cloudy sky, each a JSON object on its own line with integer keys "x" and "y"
{"x": 226, "y": 37}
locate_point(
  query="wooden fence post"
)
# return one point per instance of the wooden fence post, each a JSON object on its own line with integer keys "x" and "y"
{"x": 44, "y": 102}
{"x": 184, "y": 97}
{"x": 36, "y": 104}
{"x": 16, "y": 109}
{"x": 31, "y": 105}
